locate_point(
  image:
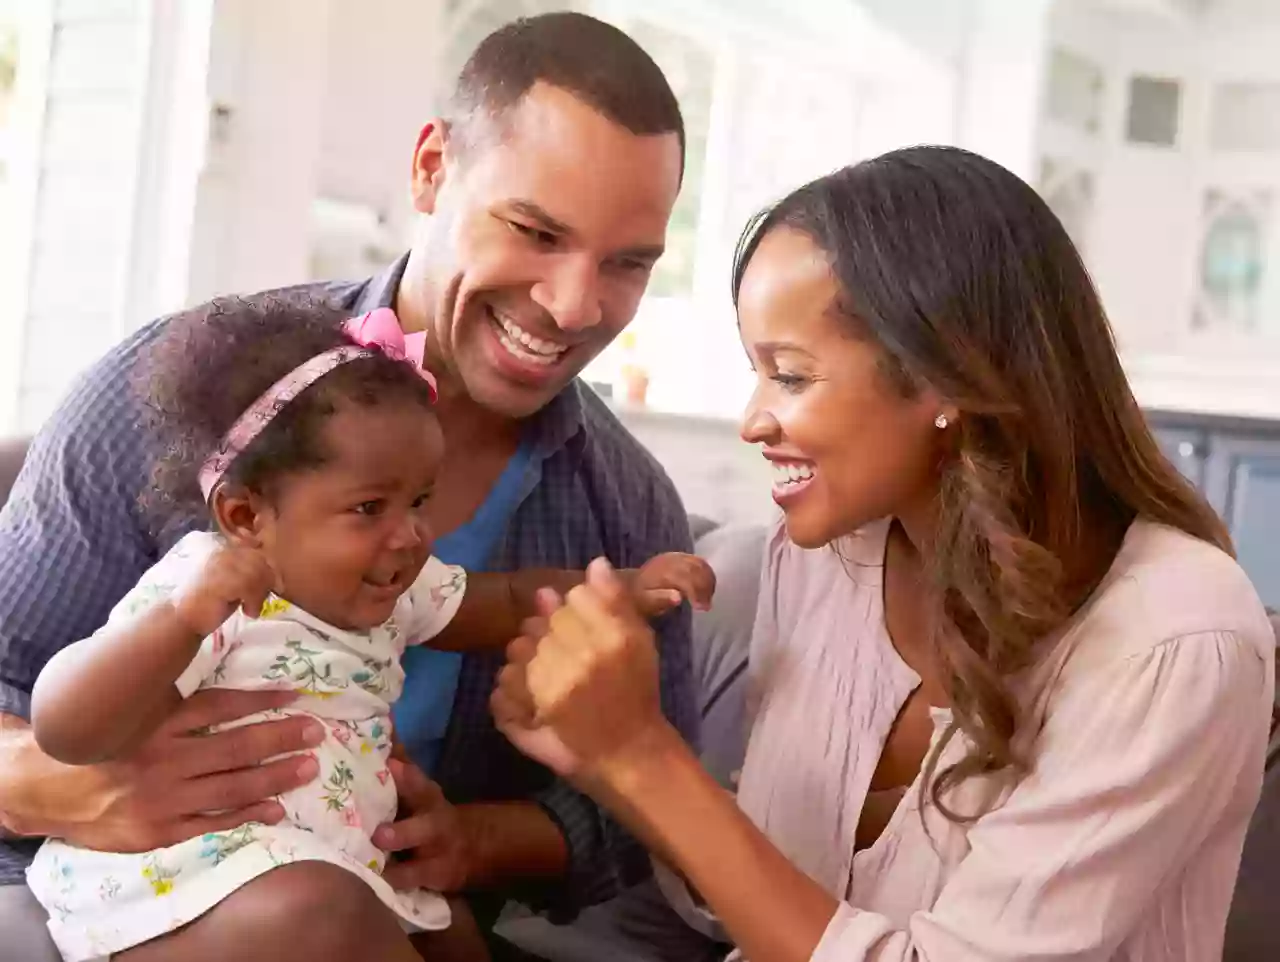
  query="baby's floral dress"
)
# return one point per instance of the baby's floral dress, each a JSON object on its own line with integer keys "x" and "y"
{"x": 100, "y": 903}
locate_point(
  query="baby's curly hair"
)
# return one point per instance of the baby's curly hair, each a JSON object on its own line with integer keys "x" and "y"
{"x": 208, "y": 365}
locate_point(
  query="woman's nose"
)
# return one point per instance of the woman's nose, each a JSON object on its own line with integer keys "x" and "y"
{"x": 759, "y": 426}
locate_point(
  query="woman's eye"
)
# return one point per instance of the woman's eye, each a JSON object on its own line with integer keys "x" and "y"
{"x": 790, "y": 382}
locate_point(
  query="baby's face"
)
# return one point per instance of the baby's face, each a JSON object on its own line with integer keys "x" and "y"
{"x": 348, "y": 538}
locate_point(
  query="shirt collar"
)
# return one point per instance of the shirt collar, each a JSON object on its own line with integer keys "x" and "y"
{"x": 380, "y": 289}
{"x": 547, "y": 430}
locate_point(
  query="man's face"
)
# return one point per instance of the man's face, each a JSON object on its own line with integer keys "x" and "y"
{"x": 536, "y": 246}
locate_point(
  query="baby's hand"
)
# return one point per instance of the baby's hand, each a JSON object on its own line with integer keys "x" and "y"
{"x": 233, "y": 577}
{"x": 667, "y": 579}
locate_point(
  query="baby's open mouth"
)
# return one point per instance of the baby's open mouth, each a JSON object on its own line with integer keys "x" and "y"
{"x": 385, "y": 580}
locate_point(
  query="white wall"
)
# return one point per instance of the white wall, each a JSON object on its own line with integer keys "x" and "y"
{"x": 85, "y": 67}
{"x": 267, "y": 75}
{"x": 1143, "y": 241}
{"x": 718, "y": 475}
{"x": 380, "y": 87}
{"x": 880, "y": 76}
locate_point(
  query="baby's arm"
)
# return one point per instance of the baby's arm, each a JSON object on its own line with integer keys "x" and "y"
{"x": 101, "y": 697}
{"x": 495, "y": 605}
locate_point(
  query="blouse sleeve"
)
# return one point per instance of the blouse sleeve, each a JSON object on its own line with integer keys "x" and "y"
{"x": 1136, "y": 767}
{"x": 432, "y": 601}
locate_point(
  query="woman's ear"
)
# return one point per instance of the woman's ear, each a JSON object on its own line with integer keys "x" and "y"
{"x": 241, "y": 515}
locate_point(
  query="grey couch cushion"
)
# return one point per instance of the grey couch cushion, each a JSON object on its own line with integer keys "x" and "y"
{"x": 721, "y": 641}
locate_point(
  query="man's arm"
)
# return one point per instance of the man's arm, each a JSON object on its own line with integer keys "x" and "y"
{"x": 24, "y": 767}
{"x": 602, "y": 857}
{"x": 559, "y": 852}
{"x": 164, "y": 792}
{"x": 497, "y": 604}
{"x": 72, "y": 543}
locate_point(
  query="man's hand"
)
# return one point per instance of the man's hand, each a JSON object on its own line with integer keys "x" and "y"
{"x": 462, "y": 848}
{"x": 181, "y": 783}
{"x": 431, "y": 832}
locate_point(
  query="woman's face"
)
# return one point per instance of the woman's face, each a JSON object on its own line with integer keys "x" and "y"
{"x": 846, "y": 446}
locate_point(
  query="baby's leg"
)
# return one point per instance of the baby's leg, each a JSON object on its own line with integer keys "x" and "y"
{"x": 307, "y": 911}
{"x": 462, "y": 941}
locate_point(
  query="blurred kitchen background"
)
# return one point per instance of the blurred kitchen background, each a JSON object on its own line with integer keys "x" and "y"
{"x": 156, "y": 152}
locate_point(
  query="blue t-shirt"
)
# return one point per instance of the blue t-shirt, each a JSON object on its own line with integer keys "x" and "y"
{"x": 421, "y": 715}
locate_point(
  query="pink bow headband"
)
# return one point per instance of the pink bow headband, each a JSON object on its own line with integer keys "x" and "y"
{"x": 377, "y": 331}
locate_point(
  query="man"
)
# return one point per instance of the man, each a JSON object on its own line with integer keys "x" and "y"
{"x": 542, "y": 199}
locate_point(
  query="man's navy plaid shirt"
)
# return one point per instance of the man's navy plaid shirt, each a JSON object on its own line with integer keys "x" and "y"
{"x": 74, "y": 540}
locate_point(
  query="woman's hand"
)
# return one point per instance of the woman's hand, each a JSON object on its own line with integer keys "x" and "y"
{"x": 585, "y": 693}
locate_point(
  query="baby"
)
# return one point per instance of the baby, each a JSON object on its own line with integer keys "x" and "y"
{"x": 312, "y": 444}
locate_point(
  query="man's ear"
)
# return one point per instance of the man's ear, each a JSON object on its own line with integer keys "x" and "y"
{"x": 240, "y": 514}
{"x": 429, "y": 166}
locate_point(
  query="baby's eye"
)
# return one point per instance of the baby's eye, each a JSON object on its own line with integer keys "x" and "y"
{"x": 421, "y": 499}
{"x": 370, "y": 508}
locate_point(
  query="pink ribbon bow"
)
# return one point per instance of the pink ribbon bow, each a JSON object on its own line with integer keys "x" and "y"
{"x": 376, "y": 331}
{"x": 380, "y": 330}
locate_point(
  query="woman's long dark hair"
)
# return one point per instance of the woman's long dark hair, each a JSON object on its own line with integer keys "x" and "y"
{"x": 969, "y": 283}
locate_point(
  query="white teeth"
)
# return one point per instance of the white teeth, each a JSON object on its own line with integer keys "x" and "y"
{"x": 526, "y": 355}
{"x": 524, "y": 345}
{"x": 790, "y": 472}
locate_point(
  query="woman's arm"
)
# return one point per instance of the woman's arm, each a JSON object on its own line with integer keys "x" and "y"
{"x": 1144, "y": 762}
{"x": 592, "y": 684}
{"x": 660, "y": 791}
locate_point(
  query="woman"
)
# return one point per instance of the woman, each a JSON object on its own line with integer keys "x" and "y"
{"x": 1012, "y": 691}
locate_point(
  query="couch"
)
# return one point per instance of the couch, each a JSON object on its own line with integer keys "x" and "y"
{"x": 720, "y": 661}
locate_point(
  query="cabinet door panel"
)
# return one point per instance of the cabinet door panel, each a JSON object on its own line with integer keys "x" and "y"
{"x": 1186, "y": 449}
{"x": 1245, "y": 474}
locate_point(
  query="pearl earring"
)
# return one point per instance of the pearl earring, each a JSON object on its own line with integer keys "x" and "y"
{"x": 940, "y": 422}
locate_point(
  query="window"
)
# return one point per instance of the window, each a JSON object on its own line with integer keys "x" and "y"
{"x": 1232, "y": 258}
{"x": 1068, "y": 190}
{"x": 1153, "y": 111}
{"x": 1075, "y": 91}
{"x": 690, "y": 69}
{"x": 472, "y": 22}
{"x": 8, "y": 76}
{"x": 1245, "y": 116}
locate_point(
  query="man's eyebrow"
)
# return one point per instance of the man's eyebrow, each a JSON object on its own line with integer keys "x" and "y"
{"x": 532, "y": 211}
{"x": 529, "y": 209}
{"x": 643, "y": 252}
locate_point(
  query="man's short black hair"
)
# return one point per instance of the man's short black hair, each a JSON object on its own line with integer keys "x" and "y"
{"x": 594, "y": 61}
